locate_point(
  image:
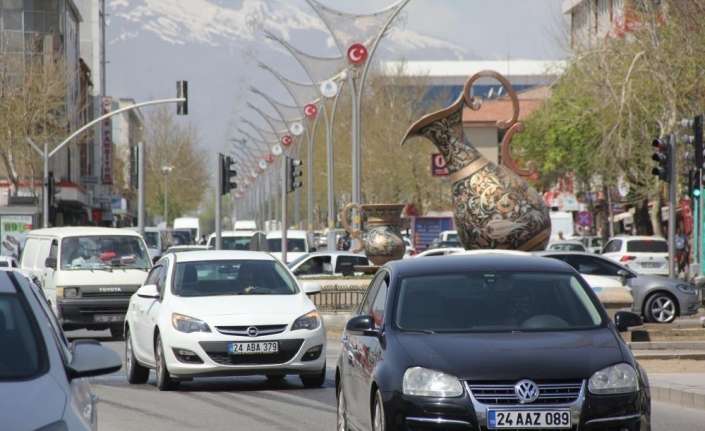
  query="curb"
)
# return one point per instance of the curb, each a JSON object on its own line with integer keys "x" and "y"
{"x": 665, "y": 355}
{"x": 678, "y": 396}
{"x": 695, "y": 345}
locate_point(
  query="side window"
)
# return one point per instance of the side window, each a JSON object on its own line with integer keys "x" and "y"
{"x": 380, "y": 302}
{"x": 54, "y": 249}
{"x": 29, "y": 254}
{"x": 161, "y": 281}
{"x": 613, "y": 246}
{"x": 154, "y": 275}
{"x": 366, "y": 305}
{"x": 315, "y": 265}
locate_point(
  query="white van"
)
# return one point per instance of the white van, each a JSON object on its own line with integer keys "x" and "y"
{"x": 240, "y": 240}
{"x": 297, "y": 244}
{"x": 87, "y": 273}
{"x": 190, "y": 224}
{"x": 245, "y": 225}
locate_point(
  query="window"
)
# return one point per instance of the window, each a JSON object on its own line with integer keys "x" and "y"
{"x": 351, "y": 262}
{"x": 161, "y": 280}
{"x": 152, "y": 239}
{"x": 100, "y": 252}
{"x": 591, "y": 265}
{"x": 380, "y": 302}
{"x": 647, "y": 246}
{"x": 613, "y": 246}
{"x": 292, "y": 244}
{"x": 495, "y": 302}
{"x": 154, "y": 275}
{"x": 316, "y": 265}
{"x": 232, "y": 277}
{"x": 366, "y": 305}
{"x": 235, "y": 242}
{"x": 29, "y": 254}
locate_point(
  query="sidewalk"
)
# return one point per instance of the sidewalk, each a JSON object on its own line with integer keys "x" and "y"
{"x": 684, "y": 389}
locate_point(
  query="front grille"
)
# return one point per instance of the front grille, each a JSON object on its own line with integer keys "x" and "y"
{"x": 242, "y": 331}
{"x": 218, "y": 352}
{"x": 123, "y": 294}
{"x": 503, "y": 393}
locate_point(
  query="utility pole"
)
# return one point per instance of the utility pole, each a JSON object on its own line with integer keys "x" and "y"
{"x": 284, "y": 228}
{"x": 140, "y": 187}
{"x": 672, "y": 191}
{"x": 218, "y": 194}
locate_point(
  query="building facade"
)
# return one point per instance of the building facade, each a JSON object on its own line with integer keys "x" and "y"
{"x": 127, "y": 132}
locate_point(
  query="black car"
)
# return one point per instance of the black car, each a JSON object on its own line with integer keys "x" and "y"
{"x": 487, "y": 342}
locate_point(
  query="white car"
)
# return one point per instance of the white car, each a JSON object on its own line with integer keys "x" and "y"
{"x": 240, "y": 240}
{"x": 297, "y": 244}
{"x": 223, "y": 313}
{"x": 641, "y": 254}
{"x": 328, "y": 263}
{"x": 565, "y": 245}
{"x": 440, "y": 251}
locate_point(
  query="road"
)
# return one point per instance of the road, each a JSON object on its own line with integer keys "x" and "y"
{"x": 251, "y": 403}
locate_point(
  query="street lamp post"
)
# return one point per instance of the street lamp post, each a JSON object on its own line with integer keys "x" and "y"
{"x": 166, "y": 170}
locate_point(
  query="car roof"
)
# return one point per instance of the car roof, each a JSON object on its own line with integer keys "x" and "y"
{"x": 290, "y": 234}
{"x": 335, "y": 253}
{"x": 62, "y": 232}
{"x": 235, "y": 233}
{"x": 195, "y": 256}
{"x": 637, "y": 237}
{"x": 477, "y": 262}
{"x": 566, "y": 241}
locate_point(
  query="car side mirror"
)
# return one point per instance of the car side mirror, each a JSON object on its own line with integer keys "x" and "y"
{"x": 148, "y": 291}
{"x": 91, "y": 359}
{"x": 312, "y": 288}
{"x": 50, "y": 262}
{"x": 626, "y": 319}
{"x": 155, "y": 259}
{"x": 624, "y": 275}
{"x": 361, "y": 325}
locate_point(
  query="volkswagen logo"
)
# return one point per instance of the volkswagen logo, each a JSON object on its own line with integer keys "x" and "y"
{"x": 252, "y": 331}
{"x": 527, "y": 391}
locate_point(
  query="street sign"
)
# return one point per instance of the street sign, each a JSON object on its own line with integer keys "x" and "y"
{"x": 439, "y": 167}
{"x": 584, "y": 218}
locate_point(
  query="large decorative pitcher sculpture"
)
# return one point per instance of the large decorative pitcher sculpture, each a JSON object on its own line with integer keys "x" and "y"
{"x": 493, "y": 206}
{"x": 381, "y": 237}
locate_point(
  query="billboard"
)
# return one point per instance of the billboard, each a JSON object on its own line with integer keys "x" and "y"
{"x": 106, "y": 142}
{"x": 13, "y": 232}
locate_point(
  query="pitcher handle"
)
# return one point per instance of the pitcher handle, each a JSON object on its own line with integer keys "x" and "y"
{"x": 345, "y": 220}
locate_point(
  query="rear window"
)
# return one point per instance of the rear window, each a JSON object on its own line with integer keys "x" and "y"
{"x": 647, "y": 246}
{"x": 22, "y": 355}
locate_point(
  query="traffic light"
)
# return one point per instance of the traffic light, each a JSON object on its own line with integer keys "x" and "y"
{"x": 51, "y": 189}
{"x": 662, "y": 156}
{"x": 293, "y": 173}
{"x": 694, "y": 184}
{"x": 228, "y": 174}
{"x": 698, "y": 141}
{"x": 182, "y": 92}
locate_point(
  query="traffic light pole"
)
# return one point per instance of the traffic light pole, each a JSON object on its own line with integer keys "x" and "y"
{"x": 218, "y": 196}
{"x": 699, "y": 217}
{"x": 672, "y": 191}
{"x": 45, "y": 190}
{"x": 284, "y": 228}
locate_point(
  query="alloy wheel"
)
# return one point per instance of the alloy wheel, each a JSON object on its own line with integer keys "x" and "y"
{"x": 378, "y": 423}
{"x": 158, "y": 360}
{"x": 128, "y": 355}
{"x": 663, "y": 309}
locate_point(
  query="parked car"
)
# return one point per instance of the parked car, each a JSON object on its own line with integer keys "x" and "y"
{"x": 593, "y": 244}
{"x": 327, "y": 263}
{"x": 88, "y": 273}
{"x": 440, "y": 251}
{"x": 658, "y": 299}
{"x": 538, "y": 348}
{"x": 190, "y": 225}
{"x": 240, "y": 240}
{"x": 566, "y": 245}
{"x": 41, "y": 373}
{"x": 641, "y": 254}
{"x": 297, "y": 244}
{"x": 223, "y": 313}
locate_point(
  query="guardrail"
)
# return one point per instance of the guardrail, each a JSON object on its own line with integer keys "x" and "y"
{"x": 339, "y": 298}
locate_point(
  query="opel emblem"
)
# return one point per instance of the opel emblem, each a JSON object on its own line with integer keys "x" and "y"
{"x": 527, "y": 391}
{"x": 252, "y": 331}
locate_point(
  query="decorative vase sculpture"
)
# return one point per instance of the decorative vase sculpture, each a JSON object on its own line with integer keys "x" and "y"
{"x": 380, "y": 235}
{"x": 494, "y": 207}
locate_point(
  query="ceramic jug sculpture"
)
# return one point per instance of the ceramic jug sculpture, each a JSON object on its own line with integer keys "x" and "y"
{"x": 380, "y": 235}
{"x": 494, "y": 207}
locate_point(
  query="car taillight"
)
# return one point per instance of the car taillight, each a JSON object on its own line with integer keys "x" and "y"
{"x": 626, "y": 258}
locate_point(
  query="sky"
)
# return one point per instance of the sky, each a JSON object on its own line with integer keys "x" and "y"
{"x": 216, "y": 45}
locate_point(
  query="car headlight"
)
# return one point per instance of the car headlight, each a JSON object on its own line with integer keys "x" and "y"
{"x": 67, "y": 292}
{"x": 310, "y": 320}
{"x": 423, "y": 382}
{"x": 687, "y": 289}
{"x": 188, "y": 324}
{"x": 617, "y": 379}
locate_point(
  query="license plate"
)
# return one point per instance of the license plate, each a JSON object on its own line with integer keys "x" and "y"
{"x": 264, "y": 347}
{"x": 651, "y": 265}
{"x": 528, "y": 419}
{"x": 108, "y": 318}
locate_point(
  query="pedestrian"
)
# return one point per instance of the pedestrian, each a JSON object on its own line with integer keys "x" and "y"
{"x": 681, "y": 250}
{"x": 343, "y": 242}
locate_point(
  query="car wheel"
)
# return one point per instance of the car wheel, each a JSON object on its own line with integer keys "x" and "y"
{"x": 117, "y": 332}
{"x": 136, "y": 373}
{"x": 164, "y": 380}
{"x": 314, "y": 380}
{"x": 378, "y": 420}
{"x": 342, "y": 412}
{"x": 660, "y": 308}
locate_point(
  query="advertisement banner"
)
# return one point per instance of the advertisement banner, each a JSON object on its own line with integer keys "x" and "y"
{"x": 107, "y": 142}
{"x": 13, "y": 231}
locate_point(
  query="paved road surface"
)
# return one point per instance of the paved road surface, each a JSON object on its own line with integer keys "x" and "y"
{"x": 250, "y": 403}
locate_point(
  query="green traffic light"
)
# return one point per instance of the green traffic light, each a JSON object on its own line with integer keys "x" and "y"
{"x": 696, "y": 193}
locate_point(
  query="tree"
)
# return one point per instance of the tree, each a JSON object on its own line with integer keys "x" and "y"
{"x": 169, "y": 143}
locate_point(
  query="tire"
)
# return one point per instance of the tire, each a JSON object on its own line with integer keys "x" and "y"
{"x": 314, "y": 380}
{"x": 342, "y": 411}
{"x": 136, "y": 373}
{"x": 660, "y": 307}
{"x": 378, "y": 418}
{"x": 117, "y": 332}
{"x": 164, "y": 380}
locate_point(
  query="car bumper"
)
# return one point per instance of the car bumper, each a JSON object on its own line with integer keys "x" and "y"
{"x": 296, "y": 354}
{"x": 93, "y": 313}
{"x": 619, "y": 412}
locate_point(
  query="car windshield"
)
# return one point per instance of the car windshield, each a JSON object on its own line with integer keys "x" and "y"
{"x": 152, "y": 239}
{"x": 232, "y": 277}
{"x": 495, "y": 302}
{"x": 566, "y": 246}
{"x": 296, "y": 261}
{"x": 100, "y": 252}
{"x": 236, "y": 242}
{"x": 22, "y": 350}
{"x": 297, "y": 245}
{"x": 452, "y": 237}
{"x": 647, "y": 246}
